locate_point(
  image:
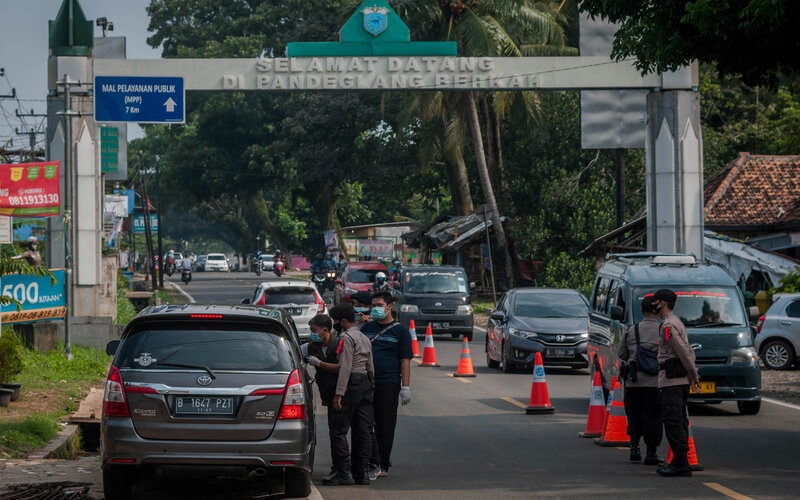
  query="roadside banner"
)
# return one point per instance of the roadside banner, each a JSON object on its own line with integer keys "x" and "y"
{"x": 40, "y": 300}
{"x": 30, "y": 189}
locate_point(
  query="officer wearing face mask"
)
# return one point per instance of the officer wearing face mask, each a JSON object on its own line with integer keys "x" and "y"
{"x": 391, "y": 350}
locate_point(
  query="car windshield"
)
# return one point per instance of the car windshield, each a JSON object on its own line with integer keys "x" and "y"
{"x": 550, "y": 305}
{"x": 215, "y": 257}
{"x": 216, "y": 350}
{"x": 436, "y": 282}
{"x": 362, "y": 275}
{"x": 701, "y": 306}
{"x": 277, "y": 296}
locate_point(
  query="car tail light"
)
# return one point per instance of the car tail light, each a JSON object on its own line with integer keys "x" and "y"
{"x": 115, "y": 400}
{"x": 205, "y": 316}
{"x": 320, "y": 304}
{"x": 294, "y": 399}
{"x": 760, "y": 323}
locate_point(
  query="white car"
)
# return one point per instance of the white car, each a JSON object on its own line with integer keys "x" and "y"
{"x": 298, "y": 297}
{"x": 267, "y": 261}
{"x": 217, "y": 262}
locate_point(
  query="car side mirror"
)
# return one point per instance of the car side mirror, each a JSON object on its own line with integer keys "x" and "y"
{"x": 617, "y": 313}
{"x": 498, "y": 316}
{"x": 111, "y": 347}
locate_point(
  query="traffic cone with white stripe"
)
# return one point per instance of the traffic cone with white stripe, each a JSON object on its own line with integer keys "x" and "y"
{"x": 615, "y": 430}
{"x": 597, "y": 410}
{"x": 429, "y": 351}
{"x": 691, "y": 456}
{"x": 540, "y": 399}
{"x": 465, "y": 363}
{"x": 412, "y": 328}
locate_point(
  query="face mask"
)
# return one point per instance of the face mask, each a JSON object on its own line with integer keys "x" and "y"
{"x": 361, "y": 309}
{"x": 378, "y": 313}
{"x": 315, "y": 337}
{"x": 337, "y": 327}
{"x": 659, "y": 307}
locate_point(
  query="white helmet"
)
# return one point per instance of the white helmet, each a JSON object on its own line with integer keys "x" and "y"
{"x": 380, "y": 276}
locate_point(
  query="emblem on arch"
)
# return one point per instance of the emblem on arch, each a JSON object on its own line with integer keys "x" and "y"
{"x": 376, "y": 20}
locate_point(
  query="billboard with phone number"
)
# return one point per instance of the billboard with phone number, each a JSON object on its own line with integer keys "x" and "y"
{"x": 40, "y": 300}
{"x": 30, "y": 189}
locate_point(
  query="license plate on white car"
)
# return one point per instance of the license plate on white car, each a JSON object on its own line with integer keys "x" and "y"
{"x": 204, "y": 405}
{"x": 294, "y": 311}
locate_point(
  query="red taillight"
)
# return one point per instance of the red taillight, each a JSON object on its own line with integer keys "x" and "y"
{"x": 294, "y": 400}
{"x": 760, "y": 323}
{"x": 320, "y": 305}
{"x": 205, "y": 316}
{"x": 114, "y": 403}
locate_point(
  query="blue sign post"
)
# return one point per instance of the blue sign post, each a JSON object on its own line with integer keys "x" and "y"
{"x": 140, "y": 99}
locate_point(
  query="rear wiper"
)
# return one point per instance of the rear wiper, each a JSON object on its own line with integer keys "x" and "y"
{"x": 163, "y": 361}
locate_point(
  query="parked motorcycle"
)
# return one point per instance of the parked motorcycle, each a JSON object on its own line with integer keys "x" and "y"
{"x": 186, "y": 277}
{"x": 278, "y": 268}
{"x": 319, "y": 281}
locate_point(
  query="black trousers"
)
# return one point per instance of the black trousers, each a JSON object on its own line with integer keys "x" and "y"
{"x": 644, "y": 415}
{"x": 356, "y": 414}
{"x": 386, "y": 403}
{"x": 676, "y": 422}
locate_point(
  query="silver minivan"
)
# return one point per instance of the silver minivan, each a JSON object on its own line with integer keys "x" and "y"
{"x": 710, "y": 305}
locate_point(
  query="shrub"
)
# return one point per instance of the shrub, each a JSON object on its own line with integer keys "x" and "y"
{"x": 11, "y": 362}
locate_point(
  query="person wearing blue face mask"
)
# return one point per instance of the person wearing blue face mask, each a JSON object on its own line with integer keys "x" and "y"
{"x": 392, "y": 354}
{"x": 321, "y": 354}
{"x": 362, "y": 303}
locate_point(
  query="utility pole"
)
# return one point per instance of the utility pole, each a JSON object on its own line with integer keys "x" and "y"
{"x": 148, "y": 236}
{"x": 32, "y": 133}
{"x": 158, "y": 229}
{"x": 69, "y": 197}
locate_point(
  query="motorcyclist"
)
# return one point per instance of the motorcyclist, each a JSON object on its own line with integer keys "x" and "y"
{"x": 318, "y": 266}
{"x": 380, "y": 282}
{"x": 329, "y": 264}
{"x": 394, "y": 271}
{"x": 170, "y": 261}
{"x": 278, "y": 255}
{"x": 256, "y": 261}
{"x": 186, "y": 264}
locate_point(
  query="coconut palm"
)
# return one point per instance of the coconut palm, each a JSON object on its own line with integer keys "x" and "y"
{"x": 494, "y": 28}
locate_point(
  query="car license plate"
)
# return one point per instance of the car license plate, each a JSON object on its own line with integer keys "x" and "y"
{"x": 706, "y": 388}
{"x": 557, "y": 352}
{"x": 294, "y": 311}
{"x": 440, "y": 324}
{"x": 204, "y": 405}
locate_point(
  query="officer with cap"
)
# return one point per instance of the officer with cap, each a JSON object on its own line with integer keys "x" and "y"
{"x": 678, "y": 373}
{"x": 352, "y": 402}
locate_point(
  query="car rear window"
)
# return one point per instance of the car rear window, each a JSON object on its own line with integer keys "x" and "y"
{"x": 362, "y": 275}
{"x": 276, "y": 296}
{"x": 226, "y": 347}
{"x": 215, "y": 257}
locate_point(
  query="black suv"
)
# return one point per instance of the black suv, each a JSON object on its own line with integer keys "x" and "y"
{"x": 208, "y": 391}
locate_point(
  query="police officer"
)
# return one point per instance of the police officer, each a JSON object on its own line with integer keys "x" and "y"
{"x": 678, "y": 373}
{"x": 352, "y": 400}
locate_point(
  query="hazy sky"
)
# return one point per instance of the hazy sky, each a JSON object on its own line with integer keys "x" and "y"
{"x": 24, "y": 51}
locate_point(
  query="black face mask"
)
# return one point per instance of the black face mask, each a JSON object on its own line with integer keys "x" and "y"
{"x": 338, "y": 327}
{"x": 657, "y": 308}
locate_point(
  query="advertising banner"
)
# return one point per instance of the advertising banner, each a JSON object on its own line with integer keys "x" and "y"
{"x": 40, "y": 300}
{"x": 31, "y": 189}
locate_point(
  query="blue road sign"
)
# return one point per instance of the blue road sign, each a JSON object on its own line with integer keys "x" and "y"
{"x": 141, "y": 99}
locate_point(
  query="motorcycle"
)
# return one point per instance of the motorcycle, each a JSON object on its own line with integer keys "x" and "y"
{"x": 256, "y": 265}
{"x": 186, "y": 277}
{"x": 278, "y": 268}
{"x": 319, "y": 281}
{"x": 169, "y": 268}
{"x": 330, "y": 279}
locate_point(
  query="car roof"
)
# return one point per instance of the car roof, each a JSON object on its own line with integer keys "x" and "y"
{"x": 217, "y": 255}
{"x": 288, "y": 283}
{"x": 639, "y": 269}
{"x": 183, "y": 312}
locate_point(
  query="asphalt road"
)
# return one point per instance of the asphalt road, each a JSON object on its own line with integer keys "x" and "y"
{"x": 464, "y": 438}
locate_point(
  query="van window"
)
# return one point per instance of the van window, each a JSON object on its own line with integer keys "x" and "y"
{"x": 701, "y": 306}
{"x": 601, "y": 294}
{"x": 436, "y": 282}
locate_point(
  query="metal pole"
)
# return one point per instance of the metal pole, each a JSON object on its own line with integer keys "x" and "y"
{"x": 489, "y": 253}
{"x": 158, "y": 221}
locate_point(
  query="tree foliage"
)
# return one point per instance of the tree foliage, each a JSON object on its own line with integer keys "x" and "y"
{"x": 751, "y": 38}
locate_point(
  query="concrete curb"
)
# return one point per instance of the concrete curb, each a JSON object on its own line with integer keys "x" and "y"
{"x": 55, "y": 447}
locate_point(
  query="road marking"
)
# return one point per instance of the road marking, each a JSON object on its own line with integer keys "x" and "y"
{"x": 781, "y": 403}
{"x": 460, "y": 379}
{"x": 727, "y": 491}
{"x": 514, "y": 402}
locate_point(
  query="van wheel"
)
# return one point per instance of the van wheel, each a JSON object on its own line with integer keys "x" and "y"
{"x": 508, "y": 365}
{"x": 748, "y": 407}
{"x": 777, "y": 355}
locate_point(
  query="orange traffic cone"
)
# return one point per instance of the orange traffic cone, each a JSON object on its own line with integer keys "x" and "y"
{"x": 465, "y": 363}
{"x": 691, "y": 456}
{"x": 597, "y": 413}
{"x": 540, "y": 400}
{"x": 412, "y": 328}
{"x": 615, "y": 430}
{"x": 429, "y": 352}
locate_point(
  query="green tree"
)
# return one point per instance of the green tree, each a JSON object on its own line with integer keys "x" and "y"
{"x": 751, "y": 38}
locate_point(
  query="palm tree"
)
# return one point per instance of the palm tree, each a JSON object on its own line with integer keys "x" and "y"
{"x": 495, "y": 28}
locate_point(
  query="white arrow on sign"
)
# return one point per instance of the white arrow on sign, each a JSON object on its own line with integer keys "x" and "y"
{"x": 170, "y": 104}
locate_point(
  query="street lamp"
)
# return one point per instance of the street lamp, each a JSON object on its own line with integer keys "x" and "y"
{"x": 105, "y": 25}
